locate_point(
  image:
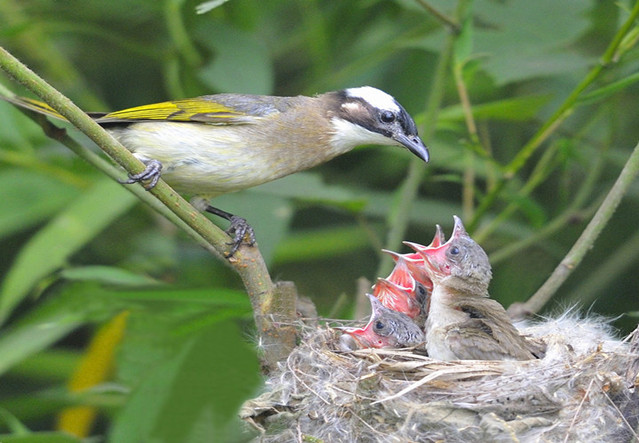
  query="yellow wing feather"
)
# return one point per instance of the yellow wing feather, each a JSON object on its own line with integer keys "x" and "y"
{"x": 34, "y": 105}
{"x": 195, "y": 109}
{"x": 199, "y": 109}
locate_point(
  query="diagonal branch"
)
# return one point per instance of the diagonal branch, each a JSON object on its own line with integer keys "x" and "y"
{"x": 584, "y": 242}
{"x": 267, "y": 299}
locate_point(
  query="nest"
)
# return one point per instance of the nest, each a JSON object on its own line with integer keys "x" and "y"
{"x": 584, "y": 389}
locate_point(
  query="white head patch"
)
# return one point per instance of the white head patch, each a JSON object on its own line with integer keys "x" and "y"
{"x": 378, "y": 99}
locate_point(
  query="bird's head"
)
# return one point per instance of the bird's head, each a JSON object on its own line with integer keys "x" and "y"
{"x": 459, "y": 262}
{"x": 385, "y": 329}
{"x": 367, "y": 115}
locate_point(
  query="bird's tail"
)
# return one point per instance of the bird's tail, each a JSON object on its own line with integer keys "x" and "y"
{"x": 33, "y": 105}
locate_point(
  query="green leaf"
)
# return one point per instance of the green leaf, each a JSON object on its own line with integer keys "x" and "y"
{"x": 204, "y": 296}
{"x": 240, "y": 62}
{"x": 12, "y": 423}
{"x": 69, "y": 231}
{"x": 321, "y": 243}
{"x": 603, "y": 93}
{"x": 531, "y": 209}
{"x": 519, "y": 40}
{"x": 195, "y": 391}
{"x": 109, "y": 275}
{"x": 510, "y": 109}
{"x": 464, "y": 43}
{"x": 40, "y": 437}
{"x": 310, "y": 188}
{"x": 157, "y": 329}
{"x": 54, "y": 319}
{"x": 28, "y": 198}
{"x": 524, "y": 39}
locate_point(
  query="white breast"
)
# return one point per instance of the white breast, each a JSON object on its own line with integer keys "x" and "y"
{"x": 440, "y": 317}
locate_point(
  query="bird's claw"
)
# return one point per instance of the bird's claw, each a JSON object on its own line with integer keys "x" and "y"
{"x": 151, "y": 174}
{"x": 241, "y": 232}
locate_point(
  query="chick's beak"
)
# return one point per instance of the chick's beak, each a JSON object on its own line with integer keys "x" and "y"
{"x": 357, "y": 338}
{"x": 414, "y": 145}
{"x": 434, "y": 257}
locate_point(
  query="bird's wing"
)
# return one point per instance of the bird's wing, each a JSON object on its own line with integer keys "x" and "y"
{"x": 199, "y": 109}
{"x": 33, "y": 105}
{"x": 490, "y": 332}
{"x": 474, "y": 340}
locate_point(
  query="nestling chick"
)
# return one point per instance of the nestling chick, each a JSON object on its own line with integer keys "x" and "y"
{"x": 407, "y": 289}
{"x": 400, "y": 292}
{"x": 385, "y": 329}
{"x": 463, "y": 323}
{"x": 216, "y": 144}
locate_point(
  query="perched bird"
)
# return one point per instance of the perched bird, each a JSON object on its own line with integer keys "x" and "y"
{"x": 216, "y": 144}
{"x": 463, "y": 323}
{"x": 385, "y": 329}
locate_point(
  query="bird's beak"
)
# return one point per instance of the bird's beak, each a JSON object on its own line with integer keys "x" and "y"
{"x": 433, "y": 256}
{"x": 359, "y": 338}
{"x": 439, "y": 238}
{"x": 393, "y": 296}
{"x": 414, "y": 145}
{"x": 459, "y": 229}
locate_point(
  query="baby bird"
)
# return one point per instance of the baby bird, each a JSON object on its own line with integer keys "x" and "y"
{"x": 408, "y": 286}
{"x": 400, "y": 292}
{"x": 463, "y": 323}
{"x": 385, "y": 329}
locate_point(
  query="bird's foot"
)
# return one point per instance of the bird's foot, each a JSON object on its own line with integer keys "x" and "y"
{"x": 151, "y": 174}
{"x": 241, "y": 232}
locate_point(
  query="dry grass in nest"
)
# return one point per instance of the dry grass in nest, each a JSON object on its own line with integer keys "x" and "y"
{"x": 583, "y": 390}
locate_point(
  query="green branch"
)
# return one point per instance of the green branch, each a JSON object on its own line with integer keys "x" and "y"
{"x": 247, "y": 262}
{"x": 611, "y": 55}
{"x": 584, "y": 242}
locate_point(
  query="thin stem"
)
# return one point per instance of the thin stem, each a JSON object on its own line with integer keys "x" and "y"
{"x": 611, "y": 55}
{"x": 468, "y": 194}
{"x": 443, "y": 18}
{"x": 586, "y": 240}
{"x": 175, "y": 26}
{"x": 247, "y": 262}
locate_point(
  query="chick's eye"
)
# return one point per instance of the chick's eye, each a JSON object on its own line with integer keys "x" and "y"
{"x": 387, "y": 117}
{"x": 379, "y": 325}
{"x": 454, "y": 250}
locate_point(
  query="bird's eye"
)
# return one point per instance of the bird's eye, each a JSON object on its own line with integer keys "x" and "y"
{"x": 454, "y": 250}
{"x": 387, "y": 117}
{"x": 379, "y": 325}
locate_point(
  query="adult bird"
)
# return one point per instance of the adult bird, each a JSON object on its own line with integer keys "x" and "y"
{"x": 216, "y": 144}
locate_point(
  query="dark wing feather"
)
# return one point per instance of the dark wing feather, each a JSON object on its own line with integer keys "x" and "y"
{"x": 488, "y": 333}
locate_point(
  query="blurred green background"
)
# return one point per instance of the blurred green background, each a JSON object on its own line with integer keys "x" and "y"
{"x": 78, "y": 251}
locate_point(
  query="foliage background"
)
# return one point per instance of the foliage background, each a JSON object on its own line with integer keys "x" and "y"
{"x": 77, "y": 251}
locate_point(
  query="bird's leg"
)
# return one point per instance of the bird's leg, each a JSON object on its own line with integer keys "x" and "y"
{"x": 151, "y": 174}
{"x": 239, "y": 230}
